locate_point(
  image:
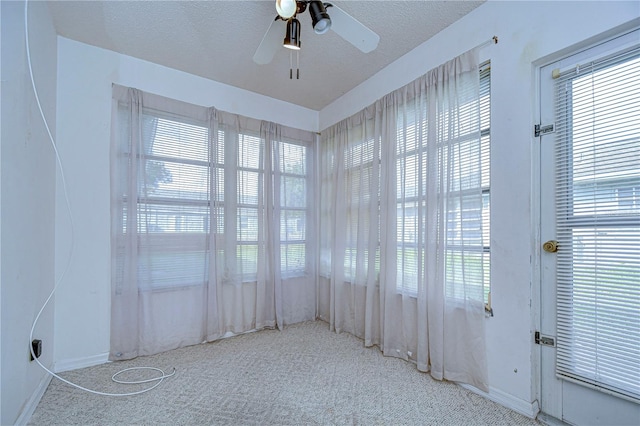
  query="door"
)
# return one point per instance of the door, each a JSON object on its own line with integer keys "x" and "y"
{"x": 590, "y": 205}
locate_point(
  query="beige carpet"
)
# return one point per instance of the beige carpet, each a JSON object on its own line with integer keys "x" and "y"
{"x": 302, "y": 375}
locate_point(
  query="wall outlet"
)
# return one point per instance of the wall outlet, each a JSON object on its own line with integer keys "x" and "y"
{"x": 36, "y": 345}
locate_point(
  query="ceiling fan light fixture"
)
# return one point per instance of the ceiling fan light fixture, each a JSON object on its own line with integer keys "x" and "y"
{"x": 286, "y": 8}
{"x": 319, "y": 17}
{"x": 292, "y": 37}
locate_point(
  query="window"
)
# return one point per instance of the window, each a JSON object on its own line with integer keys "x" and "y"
{"x": 598, "y": 223}
{"x": 362, "y": 184}
{"x": 249, "y": 208}
{"x": 193, "y": 189}
{"x": 173, "y": 197}
{"x": 361, "y": 160}
{"x": 411, "y": 170}
{"x": 628, "y": 197}
{"x": 468, "y": 222}
{"x": 485, "y": 134}
{"x": 294, "y": 209}
{"x": 468, "y": 229}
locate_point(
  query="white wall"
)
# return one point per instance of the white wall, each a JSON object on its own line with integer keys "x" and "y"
{"x": 527, "y": 31}
{"x": 85, "y": 76}
{"x": 27, "y": 193}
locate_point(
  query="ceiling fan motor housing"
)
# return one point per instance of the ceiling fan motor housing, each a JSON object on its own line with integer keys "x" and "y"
{"x": 292, "y": 36}
{"x": 301, "y": 6}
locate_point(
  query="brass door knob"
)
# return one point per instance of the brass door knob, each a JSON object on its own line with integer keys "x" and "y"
{"x": 550, "y": 246}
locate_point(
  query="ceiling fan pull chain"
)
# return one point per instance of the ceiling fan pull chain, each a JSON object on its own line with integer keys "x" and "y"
{"x": 290, "y": 65}
{"x": 298, "y": 65}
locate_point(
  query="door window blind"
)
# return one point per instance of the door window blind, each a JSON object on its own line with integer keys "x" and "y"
{"x": 597, "y": 170}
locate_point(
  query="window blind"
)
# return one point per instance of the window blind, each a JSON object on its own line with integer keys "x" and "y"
{"x": 597, "y": 151}
{"x": 173, "y": 198}
{"x": 467, "y": 153}
{"x": 362, "y": 183}
{"x": 293, "y": 207}
{"x": 485, "y": 153}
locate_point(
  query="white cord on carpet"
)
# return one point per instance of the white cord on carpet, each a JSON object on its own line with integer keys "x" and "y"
{"x": 163, "y": 375}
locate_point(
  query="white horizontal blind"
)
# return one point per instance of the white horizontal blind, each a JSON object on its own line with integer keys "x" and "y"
{"x": 598, "y": 223}
{"x": 411, "y": 191}
{"x": 293, "y": 208}
{"x": 362, "y": 183}
{"x": 485, "y": 153}
{"x": 249, "y": 214}
{"x": 460, "y": 155}
{"x": 173, "y": 202}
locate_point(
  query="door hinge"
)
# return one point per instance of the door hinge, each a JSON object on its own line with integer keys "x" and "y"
{"x": 539, "y": 130}
{"x": 544, "y": 340}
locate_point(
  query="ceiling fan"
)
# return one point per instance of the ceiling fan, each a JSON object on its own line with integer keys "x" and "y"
{"x": 324, "y": 16}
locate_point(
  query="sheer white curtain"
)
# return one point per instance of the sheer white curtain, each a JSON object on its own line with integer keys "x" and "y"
{"x": 401, "y": 224}
{"x": 212, "y": 224}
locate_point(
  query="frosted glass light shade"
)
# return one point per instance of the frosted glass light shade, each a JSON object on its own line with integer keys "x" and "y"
{"x": 286, "y": 8}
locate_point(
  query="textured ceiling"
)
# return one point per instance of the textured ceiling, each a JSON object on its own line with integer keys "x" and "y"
{"x": 217, "y": 40}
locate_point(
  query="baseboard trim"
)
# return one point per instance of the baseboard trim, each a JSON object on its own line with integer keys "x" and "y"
{"x": 75, "y": 363}
{"x": 32, "y": 403}
{"x": 529, "y": 409}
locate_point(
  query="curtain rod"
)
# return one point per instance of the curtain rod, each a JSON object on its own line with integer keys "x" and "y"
{"x": 493, "y": 40}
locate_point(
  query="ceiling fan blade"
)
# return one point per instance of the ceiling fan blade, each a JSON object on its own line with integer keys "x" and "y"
{"x": 350, "y": 29}
{"x": 271, "y": 42}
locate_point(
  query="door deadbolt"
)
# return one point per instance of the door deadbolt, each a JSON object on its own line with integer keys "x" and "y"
{"x": 550, "y": 246}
